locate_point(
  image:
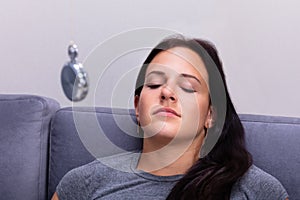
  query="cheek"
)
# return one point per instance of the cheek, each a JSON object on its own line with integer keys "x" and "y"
{"x": 145, "y": 103}
{"x": 194, "y": 110}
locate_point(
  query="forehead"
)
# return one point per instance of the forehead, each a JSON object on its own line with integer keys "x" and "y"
{"x": 179, "y": 60}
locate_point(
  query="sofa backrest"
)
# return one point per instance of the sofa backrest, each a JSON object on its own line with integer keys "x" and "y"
{"x": 274, "y": 145}
{"x": 69, "y": 142}
{"x": 24, "y": 136}
{"x": 78, "y": 136}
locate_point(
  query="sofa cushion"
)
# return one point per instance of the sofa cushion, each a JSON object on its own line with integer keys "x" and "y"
{"x": 273, "y": 142}
{"x": 274, "y": 145}
{"x": 69, "y": 142}
{"x": 24, "y": 134}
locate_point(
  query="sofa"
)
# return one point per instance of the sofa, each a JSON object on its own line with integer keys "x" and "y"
{"x": 40, "y": 142}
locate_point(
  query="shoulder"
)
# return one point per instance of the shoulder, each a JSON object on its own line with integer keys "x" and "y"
{"x": 119, "y": 162}
{"x": 84, "y": 171}
{"x": 74, "y": 184}
{"x": 81, "y": 181}
{"x": 258, "y": 184}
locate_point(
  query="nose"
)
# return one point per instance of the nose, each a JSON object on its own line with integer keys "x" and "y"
{"x": 168, "y": 94}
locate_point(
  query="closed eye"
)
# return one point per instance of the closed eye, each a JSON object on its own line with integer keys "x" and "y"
{"x": 188, "y": 90}
{"x": 153, "y": 86}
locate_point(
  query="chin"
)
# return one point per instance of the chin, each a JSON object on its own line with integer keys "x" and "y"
{"x": 162, "y": 128}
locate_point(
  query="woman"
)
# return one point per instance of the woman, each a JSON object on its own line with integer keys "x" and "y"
{"x": 193, "y": 145}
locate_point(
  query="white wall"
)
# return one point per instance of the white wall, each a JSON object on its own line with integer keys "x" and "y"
{"x": 258, "y": 42}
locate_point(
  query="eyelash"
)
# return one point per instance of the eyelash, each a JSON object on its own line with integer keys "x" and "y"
{"x": 188, "y": 90}
{"x": 155, "y": 86}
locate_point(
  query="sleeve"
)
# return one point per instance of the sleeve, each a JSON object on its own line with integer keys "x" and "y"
{"x": 72, "y": 186}
{"x": 271, "y": 188}
{"x": 258, "y": 184}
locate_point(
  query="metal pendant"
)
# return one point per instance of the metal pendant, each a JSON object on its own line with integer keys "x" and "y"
{"x": 74, "y": 78}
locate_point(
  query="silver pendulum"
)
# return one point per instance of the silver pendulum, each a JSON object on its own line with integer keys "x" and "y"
{"x": 74, "y": 78}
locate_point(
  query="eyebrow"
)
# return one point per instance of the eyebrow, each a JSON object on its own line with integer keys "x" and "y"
{"x": 156, "y": 72}
{"x": 183, "y": 75}
{"x": 191, "y": 76}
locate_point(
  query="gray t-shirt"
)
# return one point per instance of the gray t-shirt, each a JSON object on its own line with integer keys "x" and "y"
{"x": 115, "y": 177}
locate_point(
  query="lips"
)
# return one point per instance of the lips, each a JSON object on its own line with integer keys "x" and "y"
{"x": 166, "y": 111}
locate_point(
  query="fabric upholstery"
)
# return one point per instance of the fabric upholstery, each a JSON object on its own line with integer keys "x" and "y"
{"x": 27, "y": 165}
{"x": 274, "y": 145}
{"x": 273, "y": 142}
{"x": 67, "y": 150}
{"x": 24, "y": 132}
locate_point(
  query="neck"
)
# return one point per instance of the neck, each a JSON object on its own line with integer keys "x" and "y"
{"x": 169, "y": 159}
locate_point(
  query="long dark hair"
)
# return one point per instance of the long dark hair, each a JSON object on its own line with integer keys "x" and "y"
{"x": 214, "y": 174}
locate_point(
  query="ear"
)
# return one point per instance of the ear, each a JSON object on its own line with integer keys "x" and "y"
{"x": 209, "y": 122}
{"x": 136, "y": 106}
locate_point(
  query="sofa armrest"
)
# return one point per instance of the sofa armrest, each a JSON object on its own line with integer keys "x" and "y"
{"x": 24, "y": 138}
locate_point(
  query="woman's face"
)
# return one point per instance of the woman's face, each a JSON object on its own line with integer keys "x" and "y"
{"x": 174, "y": 101}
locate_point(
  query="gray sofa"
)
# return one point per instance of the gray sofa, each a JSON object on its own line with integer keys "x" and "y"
{"x": 40, "y": 142}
